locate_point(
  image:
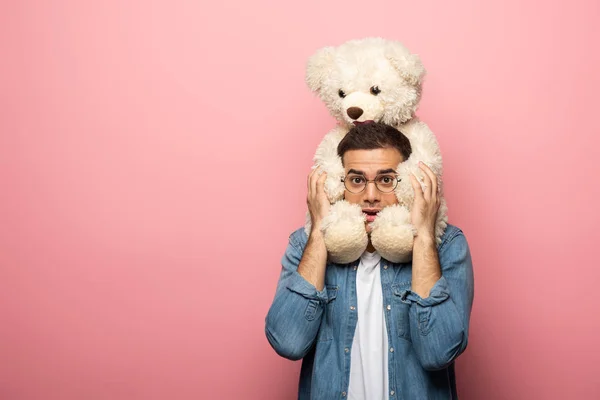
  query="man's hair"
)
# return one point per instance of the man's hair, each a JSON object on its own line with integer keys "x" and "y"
{"x": 374, "y": 135}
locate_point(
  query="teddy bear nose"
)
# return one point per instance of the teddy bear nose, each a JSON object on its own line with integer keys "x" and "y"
{"x": 354, "y": 112}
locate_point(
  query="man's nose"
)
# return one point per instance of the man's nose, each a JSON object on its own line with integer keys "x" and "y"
{"x": 371, "y": 192}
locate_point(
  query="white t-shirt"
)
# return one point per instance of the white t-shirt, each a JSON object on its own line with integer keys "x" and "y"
{"x": 369, "y": 355}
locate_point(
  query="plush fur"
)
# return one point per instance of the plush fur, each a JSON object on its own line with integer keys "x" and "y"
{"x": 354, "y": 68}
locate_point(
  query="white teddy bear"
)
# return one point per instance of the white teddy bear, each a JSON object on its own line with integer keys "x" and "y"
{"x": 372, "y": 79}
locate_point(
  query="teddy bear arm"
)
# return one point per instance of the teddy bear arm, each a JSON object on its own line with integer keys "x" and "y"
{"x": 327, "y": 159}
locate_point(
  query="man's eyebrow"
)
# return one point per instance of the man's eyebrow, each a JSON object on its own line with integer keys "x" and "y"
{"x": 354, "y": 171}
{"x": 381, "y": 171}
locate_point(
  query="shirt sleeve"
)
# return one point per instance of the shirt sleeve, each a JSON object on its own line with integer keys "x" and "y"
{"x": 439, "y": 324}
{"x": 294, "y": 318}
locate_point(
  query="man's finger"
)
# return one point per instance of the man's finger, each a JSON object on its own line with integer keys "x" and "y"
{"x": 309, "y": 179}
{"x": 416, "y": 187}
{"x": 321, "y": 183}
{"x": 427, "y": 183}
{"x": 313, "y": 180}
{"x": 432, "y": 177}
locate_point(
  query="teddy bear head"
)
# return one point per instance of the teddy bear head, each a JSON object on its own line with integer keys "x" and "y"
{"x": 371, "y": 79}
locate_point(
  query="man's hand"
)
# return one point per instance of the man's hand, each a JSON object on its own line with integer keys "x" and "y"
{"x": 426, "y": 205}
{"x": 317, "y": 201}
{"x": 426, "y": 270}
{"x": 314, "y": 259}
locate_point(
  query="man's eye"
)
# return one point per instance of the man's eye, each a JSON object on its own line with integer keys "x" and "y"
{"x": 357, "y": 180}
{"x": 386, "y": 179}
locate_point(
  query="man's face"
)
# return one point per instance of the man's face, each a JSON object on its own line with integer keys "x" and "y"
{"x": 368, "y": 164}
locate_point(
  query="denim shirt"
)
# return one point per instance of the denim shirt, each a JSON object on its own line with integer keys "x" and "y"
{"x": 425, "y": 335}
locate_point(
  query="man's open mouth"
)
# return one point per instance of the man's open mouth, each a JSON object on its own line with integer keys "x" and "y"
{"x": 370, "y": 213}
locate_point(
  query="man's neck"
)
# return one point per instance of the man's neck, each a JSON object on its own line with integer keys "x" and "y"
{"x": 370, "y": 247}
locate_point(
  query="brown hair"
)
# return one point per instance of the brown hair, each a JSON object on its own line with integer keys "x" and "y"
{"x": 374, "y": 135}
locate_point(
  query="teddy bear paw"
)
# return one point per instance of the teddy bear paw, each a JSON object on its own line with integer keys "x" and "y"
{"x": 392, "y": 235}
{"x": 344, "y": 232}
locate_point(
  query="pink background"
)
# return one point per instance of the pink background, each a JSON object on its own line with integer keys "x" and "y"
{"x": 153, "y": 158}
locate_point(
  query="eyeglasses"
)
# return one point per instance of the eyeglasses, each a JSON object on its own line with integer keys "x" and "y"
{"x": 385, "y": 183}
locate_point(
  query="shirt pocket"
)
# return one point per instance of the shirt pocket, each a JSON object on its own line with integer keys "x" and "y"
{"x": 401, "y": 309}
{"x": 326, "y": 330}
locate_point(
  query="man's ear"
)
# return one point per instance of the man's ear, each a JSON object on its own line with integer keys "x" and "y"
{"x": 318, "y": 68}
{"x": 408, "y": 65}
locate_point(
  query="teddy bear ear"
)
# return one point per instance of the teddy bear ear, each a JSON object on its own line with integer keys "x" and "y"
{"x": 318, "y": 68}
{"x": 408, "y": 65}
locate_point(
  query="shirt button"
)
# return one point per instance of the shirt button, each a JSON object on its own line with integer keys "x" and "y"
{"x": 385, "y": 266}
{"x": 343, "y": 394}
{"x": 389, "y": 307}
{"x": 391, "y": 349}
{"x": 392, "y": 392}
{"x": 355, "y": 268}
{"x": 346, "y": 350}
{"x": 352, "y": 308}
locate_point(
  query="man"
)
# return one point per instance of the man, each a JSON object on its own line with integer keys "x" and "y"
{"x": 373, "y": 329}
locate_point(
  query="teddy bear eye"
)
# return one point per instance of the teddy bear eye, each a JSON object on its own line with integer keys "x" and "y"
{"x": 342, "y": 93}
{"x": 375, "y": 90}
